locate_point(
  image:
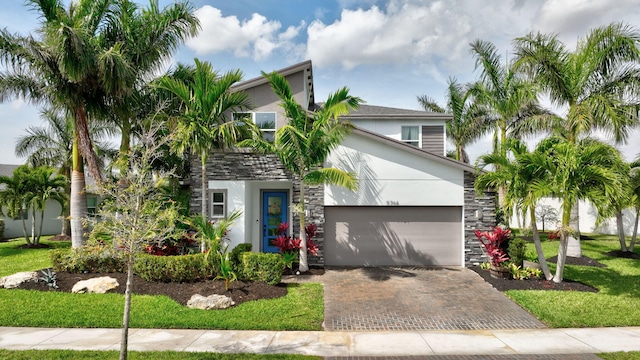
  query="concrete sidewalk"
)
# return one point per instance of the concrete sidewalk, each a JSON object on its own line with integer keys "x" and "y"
{"x": 334, "y": 343}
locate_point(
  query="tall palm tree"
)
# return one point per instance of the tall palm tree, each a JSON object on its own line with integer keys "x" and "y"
{"x": 75, "y": 65}
{"x": 206, "y": 118}
{"x": 303, "y": 144}
{"x": 52, "y": 145}
{"x": 521, "y": 174}
{"x": 470, "y": 120}
{"x": 635, "y": 199}
{"x": 597, "y": 83}
{"x": 583, "y": 170}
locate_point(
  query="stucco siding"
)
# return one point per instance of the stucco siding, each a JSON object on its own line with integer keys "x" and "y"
{"x": 52, "y": 225}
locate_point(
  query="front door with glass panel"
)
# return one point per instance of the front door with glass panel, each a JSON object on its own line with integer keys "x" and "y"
{"x": 274, "y": 212}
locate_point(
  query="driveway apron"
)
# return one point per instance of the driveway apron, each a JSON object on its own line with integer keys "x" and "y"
{"x": 389, "y": 298}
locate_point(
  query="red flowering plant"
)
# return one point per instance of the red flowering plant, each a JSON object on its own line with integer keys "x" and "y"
{"x": 494, "y": 242}
{"x": 289, "y": 247}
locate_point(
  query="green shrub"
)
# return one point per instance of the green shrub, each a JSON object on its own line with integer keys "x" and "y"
{"x": 1, "y": 229}
{"x": 89, "y": 258}
{"x": 181, "y": 268}
{"x": 262, "y": 267}
{"x": 235, "y": 257}
{"x": 517, "y": 250}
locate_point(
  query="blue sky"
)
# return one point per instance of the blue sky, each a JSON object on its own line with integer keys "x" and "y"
{"x": 386, "y": 52}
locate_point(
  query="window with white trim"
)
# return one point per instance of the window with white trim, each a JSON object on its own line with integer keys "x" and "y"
{"x": 411, "y": 135}
{"x": 218, "y": 201}
{"x": 266, "y": 121}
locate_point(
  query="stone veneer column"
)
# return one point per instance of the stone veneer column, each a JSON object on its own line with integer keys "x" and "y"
{"x": 486, "y": 203}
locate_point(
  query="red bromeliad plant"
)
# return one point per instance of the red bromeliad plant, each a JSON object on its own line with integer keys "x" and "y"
{"x": 493, "y": 241}
{"x": 289, "y": 247}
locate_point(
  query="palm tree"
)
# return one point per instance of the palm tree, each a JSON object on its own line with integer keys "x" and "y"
{"x": 204, "y": 124}
{"x": 470, "y": 121}
{"x": 635, "y": 199}
{"x": 80, "y": 65}
{"x": 597, "y": 84}
{"x": 521, "y": 174}
{"x": 14, "y": 196}
{"x": 43, "y": 186}
{"x": 52, "y": 145}
{"x": 303, "y": 144}
{"x": 583, "y": 170}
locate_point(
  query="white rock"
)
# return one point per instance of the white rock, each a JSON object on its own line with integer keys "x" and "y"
{"x": 198, "y": 301}
{"x": 99, "y": 285}
{"x": 16, "y": 279}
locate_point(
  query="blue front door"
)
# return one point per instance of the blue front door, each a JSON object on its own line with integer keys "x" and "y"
{"x": 275, "y": 211}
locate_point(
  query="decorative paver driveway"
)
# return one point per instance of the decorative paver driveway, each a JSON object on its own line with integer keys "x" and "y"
{"x": 385, "y": 298}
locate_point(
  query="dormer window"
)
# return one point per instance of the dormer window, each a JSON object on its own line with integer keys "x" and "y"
{"x": 266, "y": 121}
{"x": 411, "y": 135}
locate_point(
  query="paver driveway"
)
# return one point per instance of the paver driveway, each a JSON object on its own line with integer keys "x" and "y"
{"x": 385, "y": 298}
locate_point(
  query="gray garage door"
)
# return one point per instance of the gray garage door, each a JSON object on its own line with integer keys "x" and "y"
{"x": 376, "y": 236}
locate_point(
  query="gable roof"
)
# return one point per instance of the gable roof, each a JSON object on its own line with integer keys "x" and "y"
{"x": 384, "y": 112}
{"x": 413, "y": 149}
{"x": 305, "y": 66}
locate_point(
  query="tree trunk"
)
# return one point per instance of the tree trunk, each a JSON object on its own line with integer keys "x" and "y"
{"x": 536, "y": 240}
{"x": 634, "y": 235}
{"x": 124, "y": 339}
{"x": 203, "y": 185}
{"x": 573, "y": 242}
{"x": 37, "y": 241}
{"x": 66, "y": 226}
{"x": 82, "y": 141}
{"x": 78, "y": 200}
{"x": 303, "y": 265}
{"x": 24, "y": 228}
{"x": 33, "y": 225}
{"x": 620, "y": 226}
{"x": 562, "y": 248}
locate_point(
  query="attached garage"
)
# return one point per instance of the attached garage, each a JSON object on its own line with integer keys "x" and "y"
{"x": 393, "y": 235}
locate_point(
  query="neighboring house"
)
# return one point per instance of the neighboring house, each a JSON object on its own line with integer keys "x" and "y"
{"x": 414, "y": 206}
{"x": 13, "y": 226}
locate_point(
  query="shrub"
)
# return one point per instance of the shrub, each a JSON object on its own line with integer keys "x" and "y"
{"x": 89, "y": 258}
{"x": 493, "y": 241}
{"x": 181, "y": 268}
{"x": 235, "y": 257}
{"x": 262, "y": 267}
{"x": 517, "y": 250}
{"x": 173, "y": 247}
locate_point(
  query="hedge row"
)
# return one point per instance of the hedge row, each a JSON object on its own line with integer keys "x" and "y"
{"x": 183, "y": 268}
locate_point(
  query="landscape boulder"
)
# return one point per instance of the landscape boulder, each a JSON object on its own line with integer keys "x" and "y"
{"x": 211, "y": 302}
{"x": 12, "y": 281}
{"x": 99, "y": 285}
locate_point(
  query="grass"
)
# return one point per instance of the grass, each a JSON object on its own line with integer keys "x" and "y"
{"x": 133, "y": 355}
{"x": 301, "y": 309}
{"x": 616, "y": 304}
{"x": 632, "y": 355}
{"x": 13, "y": 259}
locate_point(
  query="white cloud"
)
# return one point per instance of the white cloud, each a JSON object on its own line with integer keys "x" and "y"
{"x": 17, "y": 104}
{"x": 256, "y": 37}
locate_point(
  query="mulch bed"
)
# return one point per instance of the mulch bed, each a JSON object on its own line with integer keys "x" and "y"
{"x": 582, "y": 261}
{"x": 623, "y": 254}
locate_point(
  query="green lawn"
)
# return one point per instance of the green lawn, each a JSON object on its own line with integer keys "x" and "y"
{"x": 616, "y": 304}
{"x": 301, "y": 309}
{"x": 632, "y": 355}
{"x": 150, "y": 355}
{"x": 14, "y": 259}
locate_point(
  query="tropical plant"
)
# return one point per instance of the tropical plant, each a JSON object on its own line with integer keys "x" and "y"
{"x": 289, "y": 247}
{"x": 303, "y": 144}
{"x": 205, "y": 122}
{"x": 211, "y": 233}
{"x": 635, "y": 188}
{"x": 13, "y": 198}
{"x": 597, "y": 84}
{"x": 521, "y": 174}
{"x": 79, "y": 64}
{"x": 226, "y": 268}
{"x": 470, "y": 121}
{"x": 577, "y": 171}
{"x": 494, "y": 242}
{"x": 51, "y": 145}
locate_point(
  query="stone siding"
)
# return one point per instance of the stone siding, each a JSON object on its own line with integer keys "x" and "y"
{"x": 486, "y": 203}
{"x": 244, "y": 165}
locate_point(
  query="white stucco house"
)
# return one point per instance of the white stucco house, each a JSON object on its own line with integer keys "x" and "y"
{"x": 414, "y": 206}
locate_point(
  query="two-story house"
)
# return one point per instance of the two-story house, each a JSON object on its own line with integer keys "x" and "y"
{"x": 414, "y": 206}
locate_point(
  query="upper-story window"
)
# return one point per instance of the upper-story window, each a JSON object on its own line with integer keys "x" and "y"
{"x": 266, "y": 121}
{"x": 411, "y": 135}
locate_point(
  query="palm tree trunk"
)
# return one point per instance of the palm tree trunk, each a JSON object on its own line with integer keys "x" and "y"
{"x": 124, "y": 338}
{"x": 635, "y": 230}
{"x": 66, "y": 226}
{"x": 33, "y": 225}
{"x": 37, "y": 241}
{"x": 562, "y": 248}
{"x": 24, "y": 229}
{"x": 620, "y": 226}
{"x": 573, "y": 242}
{"x": 536, "y": 240}
{"x": 303, "y": 265}
{"x": 78, "y": 199}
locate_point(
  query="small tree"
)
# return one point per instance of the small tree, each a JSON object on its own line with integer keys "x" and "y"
{"x": 546, "y": 213}
{"x": 135, "y": 214}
